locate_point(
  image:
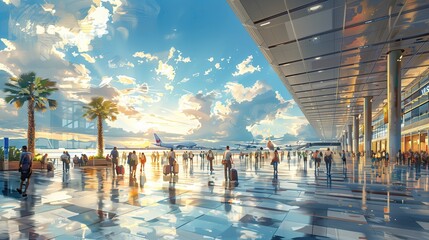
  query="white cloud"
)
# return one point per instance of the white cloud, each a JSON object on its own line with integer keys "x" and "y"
{"x": 164, "y": 69}
{"x": 169, "y": 87}
{"x": 184, "y": 80}
{"x": 222, "y": 110}
{"x": 115, "y": 63}
{"x": 126, "y": 80}
{"x": 210, "y": 59}
{"x": 208, "y": 71}
{"x": 88, "y": 58}
{"x": 48, "y": 7}
{"x": 7, "y": 69}
{"x": 242, "y": 94}
{"x": 171, "y": 52}
{"x": 9, "y": 45}
{"x": 279, "y": 97}
{"x": 217, "y": 66}
{"x": 182, "y": 59}
{"x": 246, "y": 67}
{"x": 92, "y": 26}
{"x": 16, "y": 3}
{"x": 75, "y": 54}
{"x": 196, "y": 75}
{"x": 147, "y": 56}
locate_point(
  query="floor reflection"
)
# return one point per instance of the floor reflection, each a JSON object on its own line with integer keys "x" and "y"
{"x": 361, "y": 200}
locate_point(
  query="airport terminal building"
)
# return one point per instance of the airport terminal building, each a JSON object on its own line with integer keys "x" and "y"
{"x": 357, "y": 69}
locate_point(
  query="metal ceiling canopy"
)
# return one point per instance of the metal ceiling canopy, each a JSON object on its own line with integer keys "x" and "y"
{"x": 331, "y": 53}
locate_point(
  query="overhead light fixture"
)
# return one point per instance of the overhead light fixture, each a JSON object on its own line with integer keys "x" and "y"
{"x": 319, "y": 71}
{"x": 315, "y": 8}
{"x": 318, "y": 58}
{"x": 315, "y": 39}
{"x": 348, "y": 105}
{"x": 264, "y": 24}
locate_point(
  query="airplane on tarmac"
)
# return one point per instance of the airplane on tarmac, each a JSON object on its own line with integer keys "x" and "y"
{"x": 248, "y": 145}
{"x": 176, "y": 145}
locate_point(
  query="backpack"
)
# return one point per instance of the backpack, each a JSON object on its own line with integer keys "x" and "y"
{"x": 26, "y": 163}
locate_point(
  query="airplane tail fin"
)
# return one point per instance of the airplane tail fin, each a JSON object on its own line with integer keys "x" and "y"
{"x": 157, "y": 139}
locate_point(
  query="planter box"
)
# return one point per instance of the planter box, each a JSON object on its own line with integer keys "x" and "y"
{"x": 14, "y": 165}
{"x": 98, "y": 162}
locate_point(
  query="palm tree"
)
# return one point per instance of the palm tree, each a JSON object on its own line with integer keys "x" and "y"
{"x": 35, "y": 91}
{"x": 100, "y": 109}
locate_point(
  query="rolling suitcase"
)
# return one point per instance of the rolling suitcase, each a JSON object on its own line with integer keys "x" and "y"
{"x": 211, "y": 180}
{"x": 166, "y": 169}
{"x": 120, "y": 170}
{"x": 233, "y": 175}
{"x": 175, "y": 168}
{"x": 50, "y": 166}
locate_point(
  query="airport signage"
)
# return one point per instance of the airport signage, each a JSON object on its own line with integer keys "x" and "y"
{"x": 6, "y": 148}
{"x": 425, "y": 89}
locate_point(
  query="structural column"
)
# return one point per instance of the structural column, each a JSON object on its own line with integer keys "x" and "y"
{"x": 356, "y": 134}
{"x": 350, "y": 138}
{"x": 367, "y": 126}
{"x": 394, "y": 101}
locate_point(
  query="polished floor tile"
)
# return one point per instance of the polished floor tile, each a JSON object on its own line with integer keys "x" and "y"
{"x": 361, "y": 202}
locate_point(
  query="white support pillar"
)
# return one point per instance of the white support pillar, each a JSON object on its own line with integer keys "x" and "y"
{"x": 394, "y": 101}
{"x": 356, "y": 134}
{"x": 350, "y": 138}
{"x": 367, "y": 124}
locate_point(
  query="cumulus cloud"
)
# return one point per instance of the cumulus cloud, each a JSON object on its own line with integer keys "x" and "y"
{"x": 171, "y": 53}
{"x": 126, "y": 80}
{"x": 164, "y": 69}
{"x": 217, "y": 66}
{"x": 246, "y": 67}
{"x": 182, "y": 59}
{"x": 208, "y": 71}
{"x": 88, "y": 58}
{"x": 169, "y": 87}
{"x": 147, "y": 56}
{"x": 211, "y": 59}
{"x": 242, "y": 94}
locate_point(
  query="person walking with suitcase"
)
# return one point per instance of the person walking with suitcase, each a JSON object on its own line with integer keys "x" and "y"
{"x": 171, "y": 159}
{"x": 114, "y": 154}
{"x": 227, "y": 163}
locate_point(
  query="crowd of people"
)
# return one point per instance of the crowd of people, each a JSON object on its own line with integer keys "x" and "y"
{"x": 412, "y": 159}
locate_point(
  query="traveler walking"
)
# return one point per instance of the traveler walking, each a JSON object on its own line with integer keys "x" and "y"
{"x": 191, "y": 158}
{"x": 275, "y": 162}
{"x": 171, "y": 159}
{"x": 64, "y": 159}
{"x": 133, "y": 163}
{"x": 344, "y": 158}
{"x": 26, "y": 169}
{"x": 129, "y": 162}
{"x": 114, "y": 155}
{"x": 142, "y": 162}
{"x": 328, "y": 161}
{"x": 227, "y": 163}
{"x": 210, "y": 157}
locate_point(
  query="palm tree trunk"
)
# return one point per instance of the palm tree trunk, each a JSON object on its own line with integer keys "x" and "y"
{"x": 31, "y": 132}
{"x": 100, "y": 144}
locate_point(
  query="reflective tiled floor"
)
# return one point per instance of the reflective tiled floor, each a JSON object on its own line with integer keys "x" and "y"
{"x": 365, "y": 203}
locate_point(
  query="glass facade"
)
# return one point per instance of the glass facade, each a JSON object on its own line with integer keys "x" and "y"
{"x": 415, "y": 108}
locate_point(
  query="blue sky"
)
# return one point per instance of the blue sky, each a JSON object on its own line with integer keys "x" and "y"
{"x": 185, "y": 69}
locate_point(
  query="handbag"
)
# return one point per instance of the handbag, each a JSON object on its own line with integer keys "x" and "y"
{"x": 223, "y": 162}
